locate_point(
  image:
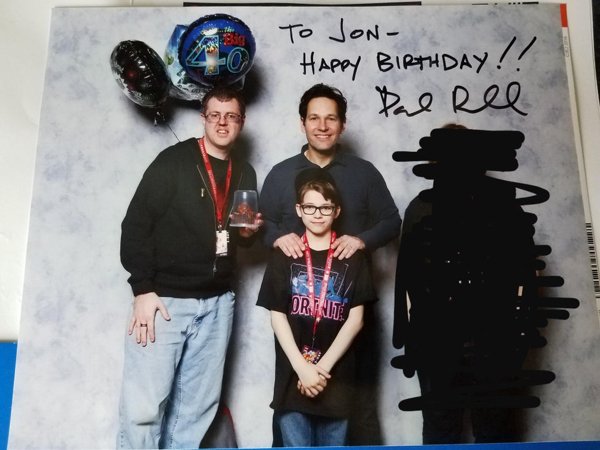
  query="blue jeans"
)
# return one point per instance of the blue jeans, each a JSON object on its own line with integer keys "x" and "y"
{"x": 306, "y": 430}
{"x": 171, "y": 388}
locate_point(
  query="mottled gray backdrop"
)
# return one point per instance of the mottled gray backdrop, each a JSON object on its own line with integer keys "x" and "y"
{"x": 94, "y": 145}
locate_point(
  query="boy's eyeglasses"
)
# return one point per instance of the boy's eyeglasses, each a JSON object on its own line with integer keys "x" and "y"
{"x": 215, "y": 117}
{"x": 325, "y": 210}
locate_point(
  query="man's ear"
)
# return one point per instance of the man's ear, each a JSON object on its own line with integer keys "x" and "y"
{"x": 338, "y": 210}
{"x": 302, "y": 128}
{"x": 298, "y": 210}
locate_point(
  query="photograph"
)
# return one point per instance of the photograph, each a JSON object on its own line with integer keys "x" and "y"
{"x": 275, "y": 225}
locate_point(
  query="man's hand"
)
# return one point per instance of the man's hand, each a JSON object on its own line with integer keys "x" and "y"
{"x": 142, "y": 318}
{"x": 246, "y": 232}
{"x": 312, "y": 380}
{"x": 345, "y": 246}
{"x": 290, "y": 245}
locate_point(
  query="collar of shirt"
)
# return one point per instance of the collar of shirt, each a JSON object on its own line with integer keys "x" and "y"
{"x": 304, "y": 163}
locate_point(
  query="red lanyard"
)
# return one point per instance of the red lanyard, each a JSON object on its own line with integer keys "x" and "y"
{"x": 220, "y": 201}
{"x": 317, "y": 310}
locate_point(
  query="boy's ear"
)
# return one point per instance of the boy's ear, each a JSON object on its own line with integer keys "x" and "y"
{"x": 338, "y": 210}
{"x": 299, "y": 211}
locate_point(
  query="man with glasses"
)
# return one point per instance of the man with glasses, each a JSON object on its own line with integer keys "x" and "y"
{"x": 180, "y": 252}
{"x": 369, "y": 220}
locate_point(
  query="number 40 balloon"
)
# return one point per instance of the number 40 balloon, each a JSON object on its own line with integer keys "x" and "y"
{"x": 217, "y": 49}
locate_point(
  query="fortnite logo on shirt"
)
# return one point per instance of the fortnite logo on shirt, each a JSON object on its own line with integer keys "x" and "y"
{"x": 334, "y": 309}
{"x": 334, "y": 302}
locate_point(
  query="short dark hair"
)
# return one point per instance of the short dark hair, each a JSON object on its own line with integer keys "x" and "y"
{"x": 224, "y": 94}
{"x": 316, "y": 179}
{"x": 454, "y": 126}
{"x": 323, "y": 90}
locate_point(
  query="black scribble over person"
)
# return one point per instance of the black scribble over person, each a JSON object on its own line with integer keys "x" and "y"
{"x": 468, "y": 268}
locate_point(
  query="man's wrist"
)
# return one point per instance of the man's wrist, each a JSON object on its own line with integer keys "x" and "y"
{"x": 276, "y": 242}
{"x": 363, "y": 244}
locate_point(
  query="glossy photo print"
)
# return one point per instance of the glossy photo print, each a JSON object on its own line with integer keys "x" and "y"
{"x": 460, "y": 237}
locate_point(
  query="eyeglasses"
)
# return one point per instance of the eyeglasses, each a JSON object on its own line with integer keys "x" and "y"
{"x": 215, "y": 117}
{"x": 325, "y": 210}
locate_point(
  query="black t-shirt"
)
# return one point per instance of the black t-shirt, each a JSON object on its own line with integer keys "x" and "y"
{"x": 284, "y": 289}
{"x": 219, "y": 167}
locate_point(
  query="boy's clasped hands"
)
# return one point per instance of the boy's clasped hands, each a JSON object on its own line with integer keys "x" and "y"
{"x": 312, "y": 379}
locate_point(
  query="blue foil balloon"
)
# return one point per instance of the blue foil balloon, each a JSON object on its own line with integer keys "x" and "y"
{"x": 217, "y": 50}
{"x": 182, "y": 85}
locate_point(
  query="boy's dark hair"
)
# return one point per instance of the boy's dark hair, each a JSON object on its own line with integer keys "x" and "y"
{"x": 224, "y": 94}
{"x": 316, "y": 179}
{"x": 323, "y": 90}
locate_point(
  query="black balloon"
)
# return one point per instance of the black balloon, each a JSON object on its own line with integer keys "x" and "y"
{"x": 141, "y": 73}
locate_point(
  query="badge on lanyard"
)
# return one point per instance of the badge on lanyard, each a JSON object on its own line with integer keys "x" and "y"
{"x": 222, "y": 241}
{"x": 219, "y": 201}
{"x": 312, "y": 355}
{"x": 309, "y": 352}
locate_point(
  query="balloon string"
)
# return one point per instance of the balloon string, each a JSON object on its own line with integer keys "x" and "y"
{"x": 173, "y": 132}
{"x": 159, "y": 117}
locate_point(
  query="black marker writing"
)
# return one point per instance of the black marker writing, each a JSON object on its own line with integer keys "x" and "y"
{"x": 489, "y": 97}
{"x": 303, "y": 33}
{"x": 341, "y": 65}
{"x": 468, "y": 261}
{"x": 425, "y": 101}
{"x": 509, "y": 46}
{"x": 356, "y": 34}
{"x": 445, "y": 61}
{"x": 527, "y": 48}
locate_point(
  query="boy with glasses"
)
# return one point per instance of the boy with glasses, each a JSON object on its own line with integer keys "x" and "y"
{"x": 316, "y": 305}
{"x": 180, "y": 252}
